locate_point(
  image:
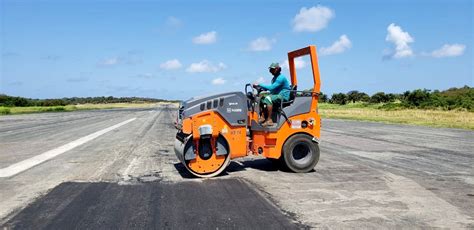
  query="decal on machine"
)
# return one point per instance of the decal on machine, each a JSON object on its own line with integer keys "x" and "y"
{"x": 296, "y": 124}
{"x": 224, "y": 130}
{"x": 231, "y": 110}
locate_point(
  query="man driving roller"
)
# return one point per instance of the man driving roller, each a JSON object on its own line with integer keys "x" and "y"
{"x": 279, "y": 92}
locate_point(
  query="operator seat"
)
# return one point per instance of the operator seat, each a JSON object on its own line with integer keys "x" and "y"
{"x": 290, "y": 101}
{"x": 280, "y": 111}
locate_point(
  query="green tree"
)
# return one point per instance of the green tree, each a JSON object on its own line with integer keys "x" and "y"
{"x": 365, "y": 98}
{"x": 323, "y": 98}
{"x": 379, "y": 97}
{"x": 418, "y": 97}
{"x": 339, "y": 98}
{"x": 355, "y": 96}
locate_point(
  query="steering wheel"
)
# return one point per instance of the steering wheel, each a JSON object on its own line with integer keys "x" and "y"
{"x": 250, "y": 93}
{"x": 259, "y": 89}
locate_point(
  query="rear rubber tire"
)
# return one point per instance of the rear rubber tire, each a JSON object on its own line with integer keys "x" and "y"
{"x": 300, "y": 153}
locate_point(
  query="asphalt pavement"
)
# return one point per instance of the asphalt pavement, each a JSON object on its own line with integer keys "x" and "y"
{"x": 110, "y": 169}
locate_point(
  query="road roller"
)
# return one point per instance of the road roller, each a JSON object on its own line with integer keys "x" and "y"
{"x": 213, "y": 130}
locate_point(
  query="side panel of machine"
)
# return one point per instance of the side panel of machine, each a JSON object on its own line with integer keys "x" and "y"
{"x": 231, "y": 106}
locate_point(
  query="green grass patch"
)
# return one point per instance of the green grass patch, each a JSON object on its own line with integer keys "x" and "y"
{"x": 349, "y": 105}
{"x": 33, "y": 109}
{"x": 394, "y": 113}
{"x": 67, "y": 108}
{"x": 4, "y": 111}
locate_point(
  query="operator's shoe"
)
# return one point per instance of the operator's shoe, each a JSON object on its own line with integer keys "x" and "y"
{"x": 261, "y": 120}
{"x": 268, "y": 123}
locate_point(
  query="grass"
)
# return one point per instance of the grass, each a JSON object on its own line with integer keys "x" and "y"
{"x": 375, "y": 112}
{"x": 4, "y": 111}
{"x": 67, "y": 108}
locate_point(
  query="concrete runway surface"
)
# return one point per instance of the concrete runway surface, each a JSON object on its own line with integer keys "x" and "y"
{"x": 116, "y": 169}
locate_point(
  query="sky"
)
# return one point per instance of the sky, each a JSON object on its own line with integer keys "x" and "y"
{"x": 181, "y": 49}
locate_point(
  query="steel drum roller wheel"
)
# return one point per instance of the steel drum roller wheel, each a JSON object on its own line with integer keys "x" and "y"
{"x": 209, "y": 166}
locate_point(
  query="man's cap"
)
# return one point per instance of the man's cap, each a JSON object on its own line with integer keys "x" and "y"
{"x": 274, "y": 65}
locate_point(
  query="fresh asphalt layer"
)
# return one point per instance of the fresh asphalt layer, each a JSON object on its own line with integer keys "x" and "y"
{"x": 212, "y": 204}
{"x": 93, "y": 173}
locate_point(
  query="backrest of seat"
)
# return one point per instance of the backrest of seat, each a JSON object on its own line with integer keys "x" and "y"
{"x": 293, "y": 89}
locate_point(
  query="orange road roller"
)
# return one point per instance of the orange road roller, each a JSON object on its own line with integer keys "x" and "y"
{"x": 213, "y": 130}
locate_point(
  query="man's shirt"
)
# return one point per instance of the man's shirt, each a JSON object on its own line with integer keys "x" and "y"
{"x": 279, "y": 85}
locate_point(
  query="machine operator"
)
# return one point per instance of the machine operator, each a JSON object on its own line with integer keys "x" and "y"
{"x": 279, "y": 93}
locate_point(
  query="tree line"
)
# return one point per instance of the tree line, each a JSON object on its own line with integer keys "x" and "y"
{"x": 11, "y": 101}
{"x": 452, "y": 98}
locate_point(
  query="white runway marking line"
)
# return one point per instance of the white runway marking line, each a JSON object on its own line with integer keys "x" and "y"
{"x": 38, "y": 159}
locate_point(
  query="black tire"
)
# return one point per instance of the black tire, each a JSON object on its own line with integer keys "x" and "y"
{"x": 300, "y": 153}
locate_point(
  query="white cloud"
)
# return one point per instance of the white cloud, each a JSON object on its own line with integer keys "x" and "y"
{"x": 173, "y": 22}
{"x": 261, "y": 44}
{"x": 299, "y": 63}
{"x": 449, "y": 50}
{"x": 144, "y": 75}
{"x": 109, "y": 61}
{"x": 130, "y": 58}
{"x": 205, "y": 66}
{"x": 171, "y": 64}
{"x": 313, "y": 19}
{"x": 218, "y": 81}
{"x": 206, "y": 38}
{"x": 401, "y": 40}
{"x": 338, "y": 46}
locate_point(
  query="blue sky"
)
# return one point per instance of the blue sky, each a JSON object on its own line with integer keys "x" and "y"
{"x": 179, "y": 49}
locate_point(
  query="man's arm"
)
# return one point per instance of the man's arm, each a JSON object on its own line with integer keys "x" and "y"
{"x": 278, "y": 82}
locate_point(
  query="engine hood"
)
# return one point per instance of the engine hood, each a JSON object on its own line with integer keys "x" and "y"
{"x": 232, "y": 106}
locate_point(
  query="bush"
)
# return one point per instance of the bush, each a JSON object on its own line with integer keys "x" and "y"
{"x": 379, "y": 97}
{"x": 453, "y": 98}
{"x": 418, "y": 97}
{"x": 323, "y": 98}
{"x": 10, "y": 101}
{"x": 356, "y": 96}
{"x": 339, "y": 98}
